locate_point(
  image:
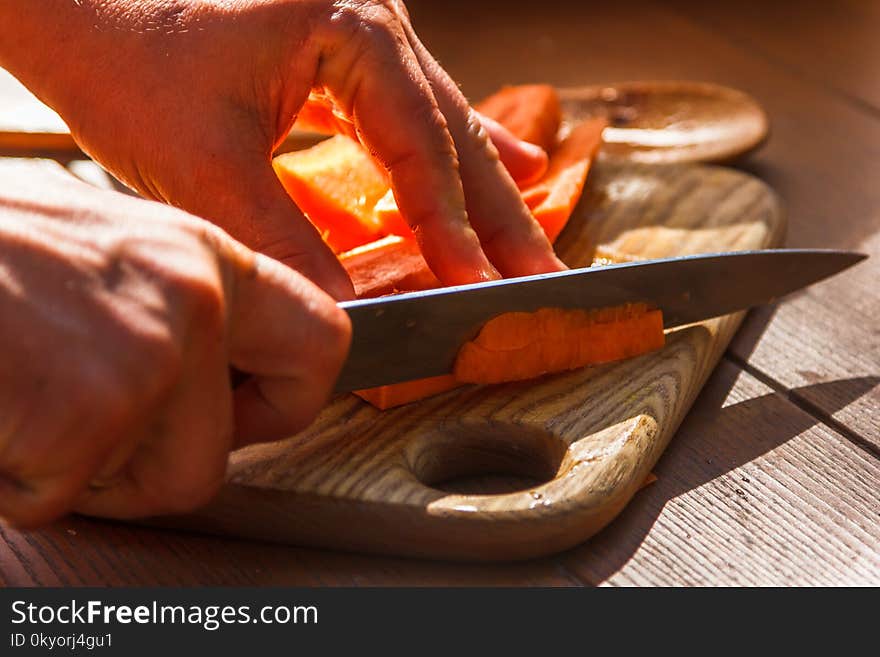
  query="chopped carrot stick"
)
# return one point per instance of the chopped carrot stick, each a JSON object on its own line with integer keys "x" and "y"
{"x": 554, "y": 197}
{"x": 531, "y": 112}
{"x": 384, "y": 397}
{"x": 518, "y": 346}
{"x": 392, "y": 264}
{"x": 389, "y": 217}
{"x": 337, "y": 185}
{"x": 551, "y": 200}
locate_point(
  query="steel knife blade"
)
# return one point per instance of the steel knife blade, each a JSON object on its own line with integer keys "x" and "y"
{"x": 418, "y": 334}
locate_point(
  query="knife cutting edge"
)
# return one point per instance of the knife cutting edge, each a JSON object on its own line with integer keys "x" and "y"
{"x": 418, "y": 334}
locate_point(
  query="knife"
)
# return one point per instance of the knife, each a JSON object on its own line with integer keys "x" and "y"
{"x": 418, "y": 334}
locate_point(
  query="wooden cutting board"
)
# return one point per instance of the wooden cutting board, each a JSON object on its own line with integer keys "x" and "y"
{"x": 575, "y": 447}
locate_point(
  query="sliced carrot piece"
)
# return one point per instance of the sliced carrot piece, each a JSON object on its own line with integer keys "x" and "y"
{"x": 398, "y": 394}
{"x": 531, "y": 112}
{"x": 554, "y": 197}
{"x": 391, "y": 264}
{"x": 517, "y": 346}
{"x": 389, "y": 217}
{"x": 337, "y": 185}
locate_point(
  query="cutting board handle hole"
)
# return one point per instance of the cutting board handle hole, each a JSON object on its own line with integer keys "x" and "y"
{"x": 485, "y": 458}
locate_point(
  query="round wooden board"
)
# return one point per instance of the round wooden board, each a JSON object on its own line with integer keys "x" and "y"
{"x": 365, "y": 480}
{"x": 670, "y": 121}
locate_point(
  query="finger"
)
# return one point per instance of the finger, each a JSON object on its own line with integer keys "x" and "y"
{"x": 510, "y": 236}
{"x": 30, "y": 504}
{"x": 239, "y": 191}
{"x": 525, "y": 162}
{"x": 177, "y": 458}
{"x": 293, "y": 339}
{"x": 373, "y": 75}
{"x": 284, "y": 233}
{"x": 50, "y": 457}
{"x": 180, "y": 459}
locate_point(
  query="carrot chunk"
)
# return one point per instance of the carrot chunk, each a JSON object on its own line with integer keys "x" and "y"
{"x": 392, "y": 264}
{"x": 384, "y": 397}
{"x": 518, "y": 346}
{"x": 389, "y": 217}
{"x": 531, "y": 112}
{"x": 337, "y": 185}
{"x": 553, "y": 198}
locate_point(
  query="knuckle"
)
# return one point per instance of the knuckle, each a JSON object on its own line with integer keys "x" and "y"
{"x": 429, "y": 114}
{"x": 106, "y": 388}
{"x": 353, "y": 16}
{"x": 185, "y": 494}
{"x": 365, "y": 28}
{"x": 28, "y": 508}
{"x": 336, "y": 332}
{"x": 206, "y": 302}
{"x": 476, "y": 132}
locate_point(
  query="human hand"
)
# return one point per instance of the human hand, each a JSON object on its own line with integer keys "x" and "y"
{"x": 185, "y": 101}
{"x": 119, "y": 319}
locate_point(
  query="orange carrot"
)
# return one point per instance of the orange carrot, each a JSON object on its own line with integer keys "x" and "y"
{"x": 389, "y": 217}
{"x": 531, "y": 112}
{"x": 337, "y": 185}
{"x": 392, "y": 264}
{"x": 517, "y": 346}
{"x": 398, "y": 394}
{"x": 554, "y": 197}
{"x": 551, "y": 200}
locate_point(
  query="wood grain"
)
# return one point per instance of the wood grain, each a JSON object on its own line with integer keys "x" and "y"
{"x": 752, "y": 491}
{"x": 82, "y": 552}
{"x": 825, "y": 333}
{"x": 664, "y": 122}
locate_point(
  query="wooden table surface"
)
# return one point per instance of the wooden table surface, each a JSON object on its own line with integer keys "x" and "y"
{"x": 774, "y": 477}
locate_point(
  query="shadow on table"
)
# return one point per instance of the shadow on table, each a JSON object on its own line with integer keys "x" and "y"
{"x": 713, "y": 440}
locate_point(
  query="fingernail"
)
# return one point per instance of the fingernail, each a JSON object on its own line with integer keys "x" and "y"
{"x": 488, "y": 274}
{"x": 533, "y": 150}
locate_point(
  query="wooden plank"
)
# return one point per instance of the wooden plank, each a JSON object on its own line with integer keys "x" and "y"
{"x": 752, "y": 491}
{"x": 825, "y": 334}
{"x": 832, "y": 43}
{"x": 82, "y": 552}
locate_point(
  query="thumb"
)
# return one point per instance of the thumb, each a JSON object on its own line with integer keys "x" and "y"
{"x": 290, "y": 336}
{"x": 280, "y": 230}
{"x": 245, "y": 198}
